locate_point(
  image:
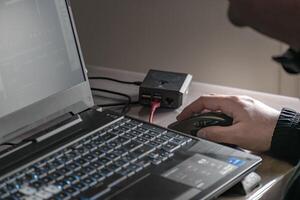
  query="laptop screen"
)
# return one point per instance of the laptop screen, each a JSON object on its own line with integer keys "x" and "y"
{"x": 42, "y": 72}
{"x": 38, "y": 53}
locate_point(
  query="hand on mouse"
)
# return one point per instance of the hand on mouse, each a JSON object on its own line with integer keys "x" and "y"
{"x": 253, "y": 121}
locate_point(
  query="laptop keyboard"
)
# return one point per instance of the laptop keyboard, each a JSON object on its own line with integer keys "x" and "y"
{"x": 95, "y": 164}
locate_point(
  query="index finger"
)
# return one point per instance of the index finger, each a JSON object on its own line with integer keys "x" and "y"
{"x": 212, "y": 102}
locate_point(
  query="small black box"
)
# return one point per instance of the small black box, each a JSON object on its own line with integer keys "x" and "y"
{"x": 167, "y": 87}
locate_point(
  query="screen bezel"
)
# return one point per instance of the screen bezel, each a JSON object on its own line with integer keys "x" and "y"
{"x": 73, "y": 100}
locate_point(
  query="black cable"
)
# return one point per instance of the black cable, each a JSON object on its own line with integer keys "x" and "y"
{"x": 126, "y": 105}
{"x": 117, "y": 104}
{"x": 138, "y": 83}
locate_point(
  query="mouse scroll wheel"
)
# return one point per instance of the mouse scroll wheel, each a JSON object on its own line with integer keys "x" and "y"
{"x": 205, "y": 123}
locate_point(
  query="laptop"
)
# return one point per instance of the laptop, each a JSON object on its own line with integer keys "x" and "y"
{"x": 55, "y": 144}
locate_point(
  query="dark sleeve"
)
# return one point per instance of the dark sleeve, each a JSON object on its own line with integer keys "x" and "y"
{"x": 286, "y": 137}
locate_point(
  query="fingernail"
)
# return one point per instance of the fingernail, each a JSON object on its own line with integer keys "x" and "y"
{"x": 201, "y": 134}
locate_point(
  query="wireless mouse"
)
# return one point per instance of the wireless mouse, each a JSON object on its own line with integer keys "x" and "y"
{"x": 193, "y": 124}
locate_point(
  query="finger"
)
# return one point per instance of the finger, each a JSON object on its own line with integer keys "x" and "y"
{"x": 219, "y": 134}
{"x": 216, "y": 102}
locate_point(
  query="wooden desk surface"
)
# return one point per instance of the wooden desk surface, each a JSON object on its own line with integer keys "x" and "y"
{"x": 274, "y": 172}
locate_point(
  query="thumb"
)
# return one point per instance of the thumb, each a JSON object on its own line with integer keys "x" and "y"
{"x": 219, "y": 134}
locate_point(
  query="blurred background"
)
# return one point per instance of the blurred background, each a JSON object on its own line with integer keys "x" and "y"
{"x": 192, "y": 36}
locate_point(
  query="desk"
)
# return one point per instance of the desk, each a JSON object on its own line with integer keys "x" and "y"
{"x": 274, "y": 173}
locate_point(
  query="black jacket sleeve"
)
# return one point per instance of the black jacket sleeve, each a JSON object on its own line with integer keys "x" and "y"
{"x": 286, "y": 137}
{"x": 286, "y": 145}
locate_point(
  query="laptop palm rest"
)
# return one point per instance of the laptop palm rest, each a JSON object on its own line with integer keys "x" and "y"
{"x": 157, "y": 187}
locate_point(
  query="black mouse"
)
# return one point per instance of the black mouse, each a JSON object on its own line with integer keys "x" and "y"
{"x": 193, "y": 124}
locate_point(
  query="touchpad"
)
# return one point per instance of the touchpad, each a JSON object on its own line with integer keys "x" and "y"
{"x": 157, "y": 187}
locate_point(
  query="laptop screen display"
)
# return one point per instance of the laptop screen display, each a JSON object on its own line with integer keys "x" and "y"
{"x": 38, "y": 52}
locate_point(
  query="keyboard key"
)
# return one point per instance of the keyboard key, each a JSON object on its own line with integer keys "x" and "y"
{"x": 161, "y": 141}
{"x": 121, "y": 162}
{"x": 124, "y": 129}
{"x": 43, "y": 194}
{"x": 112, "y": 156}
{"x": 178, "y": 141}
{"x": 61, "y": 184}
{"x": 130, "y": 158}
{"x": 148, "y": 136}
{"x": 113, "y": 167}
{"x": 142, "y": 130}
{"x": 153, "y": 128}
{"x": 171, "y": 134}
{"x": 63, "y": 195}
{"x": 117, "y": 132}
{"x": 134, "y": 167}
{"x": 109, "y": 137}
{"x": 136, "y": 133}
{"x": 89, "y": 181}
{"x": 52, "y": 189}
{"x": 154, "y": 134}
{"x": 170, "y": 147}
{"x": 73, "y": 166}
{"x": 66, "y": 171}
{"x": 165, "y": 137}
{"x": 105, "y": 161}
{"x": 154, "y": 144}
{"x": 114, "y": 144}
{"x": 36, "y": 184}
{"x": 144, "y": 162}
{"x": 106, "y": 172}
{"x": 156, "y": 161}
{"x": 82, "y": 162}
{"x": 89, "y": 158}
{"x": 122, "y": 140}
{"x": 98, "y": 176}
{"x": 26, "y": 190}
{"x": 17, "y": 195}
{"x": 98, "y": 153}
{"x": 121, "y": 151}
{"x": 47, "y": 180}
{"x": 106, "y": 149}
{"x": 143, "y": 151}
{"x": 80, "y": 174}
{"x": 126, "y": 172}
{"x": 71, "y": 179}
{"x": 33, "y": 198}
{"x": 56, "y": 175}
{"x": 72, "y": 191}
{"x": 131, "y": 146}
{"x": 130, "y": 136}
{"x": 130, "y": 125}
{"x": 80, "y": 186}
{"x": 136, "y": 123}
{"x": 184, "y": 138}
{"x": 88, "y": 169}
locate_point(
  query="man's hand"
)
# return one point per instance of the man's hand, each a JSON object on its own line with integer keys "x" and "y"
{"x": 278, "y": 19}
{"x": 253, "y": 125}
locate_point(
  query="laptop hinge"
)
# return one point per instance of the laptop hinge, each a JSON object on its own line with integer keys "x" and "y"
{"x": 42, "y": 132}
{"x": 76, "y": 119}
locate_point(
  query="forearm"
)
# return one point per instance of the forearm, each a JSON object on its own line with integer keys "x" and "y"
{"x": 286, "y": 138}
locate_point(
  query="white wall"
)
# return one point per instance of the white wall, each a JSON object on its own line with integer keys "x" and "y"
{"x": 191, "y": 36}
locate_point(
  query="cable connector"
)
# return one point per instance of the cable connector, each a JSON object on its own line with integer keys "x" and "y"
{"x": 155, "y": 104}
